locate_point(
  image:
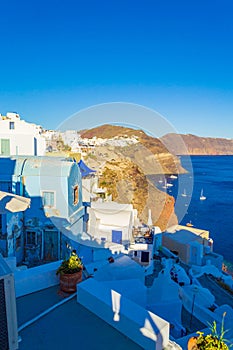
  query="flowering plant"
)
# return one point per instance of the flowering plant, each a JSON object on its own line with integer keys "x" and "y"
{"x": 71, "y": 265}
{"x": 214, "y": 340}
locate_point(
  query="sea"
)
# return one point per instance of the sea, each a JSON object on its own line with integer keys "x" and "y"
{"x": 212, "y": 175}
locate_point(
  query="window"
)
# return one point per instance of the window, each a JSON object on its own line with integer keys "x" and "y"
{"x": 75, "y": 191}
{"x": 3, "y": 234}
{"x": 48, "y": 199}
{"x": 12, "y": 125}
{"x": 31, "y": 238}
{"x": 5, "y": 147}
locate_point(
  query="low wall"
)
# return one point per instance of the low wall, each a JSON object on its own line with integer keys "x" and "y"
{"x": 200, "y": 312}
{"x": 36, "y": 278}
{"x": 142, "y": 326}
{"x": 198, "y": 271}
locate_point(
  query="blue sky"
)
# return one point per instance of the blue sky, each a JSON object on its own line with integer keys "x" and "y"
{"x": 58, "y": 57}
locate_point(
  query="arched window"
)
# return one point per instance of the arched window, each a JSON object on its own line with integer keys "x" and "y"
{"x": 75, "y": 191}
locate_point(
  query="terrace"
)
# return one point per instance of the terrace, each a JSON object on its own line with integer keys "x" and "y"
{"x": 47, "y": 318}
{"x": 65, "y": 326}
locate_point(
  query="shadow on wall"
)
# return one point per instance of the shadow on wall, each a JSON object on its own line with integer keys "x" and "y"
{"x": 142, "y": 326}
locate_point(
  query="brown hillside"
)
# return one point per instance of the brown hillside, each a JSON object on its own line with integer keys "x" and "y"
{"x": 195, "y": 145}
{"x": 110, "y": 131}
{"x": 128, "y": 184}
{"x": 149, "y": 154}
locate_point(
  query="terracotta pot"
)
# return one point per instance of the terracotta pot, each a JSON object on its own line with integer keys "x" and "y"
{"x": 68, "y": 281}
{"x": 192, "y": 343}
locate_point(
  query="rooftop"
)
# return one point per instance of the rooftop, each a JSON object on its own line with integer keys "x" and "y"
{"x": 183, "y": 236}
{"x": 222, "y": 296}
{"x": 48, "y": 319}
{"x": 196, "y": 231}
{"x": 65, "y": 326}
{"x": 35, "y": 165}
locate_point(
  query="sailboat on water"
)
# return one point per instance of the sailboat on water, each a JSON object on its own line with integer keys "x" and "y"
{"x": 202, "y": 197}
{"x": 166, "y": 184}
{"x": 184, "y": 194}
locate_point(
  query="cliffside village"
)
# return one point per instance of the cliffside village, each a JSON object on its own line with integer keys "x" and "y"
{"x": 50, "y": 205}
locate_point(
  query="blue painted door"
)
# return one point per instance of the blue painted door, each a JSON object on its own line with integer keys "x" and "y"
{"x": 51, "y": 245}
{"x": 117, "y": 236}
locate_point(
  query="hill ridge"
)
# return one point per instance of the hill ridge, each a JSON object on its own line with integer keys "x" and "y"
{"x": 197, "y": 145}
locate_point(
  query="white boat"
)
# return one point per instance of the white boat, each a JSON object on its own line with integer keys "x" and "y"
{"x": 202, "y": 197}
{"x": 166, "y": 184}
{"x": 184, "y": 194}
{"x": 173, "y": 177}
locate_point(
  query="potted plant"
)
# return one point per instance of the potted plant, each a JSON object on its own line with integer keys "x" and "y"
{"x": 214, "y": 340}
{"x": 70, "y": 272}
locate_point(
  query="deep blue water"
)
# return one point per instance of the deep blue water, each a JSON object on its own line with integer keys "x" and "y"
{"x": 215, "y": 175}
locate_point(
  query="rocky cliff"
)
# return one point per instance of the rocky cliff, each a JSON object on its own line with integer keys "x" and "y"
{"x": 195, "y": 145}
{"x": 123, "y": 172}
{"x": 128, "y": 184}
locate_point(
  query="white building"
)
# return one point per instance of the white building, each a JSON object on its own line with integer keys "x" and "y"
{"x": 192, "y": 245}
{"x": 111, "y": 221}
{"x": 18, "y": 137}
